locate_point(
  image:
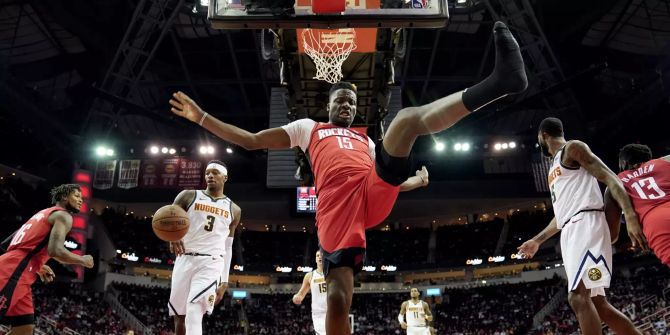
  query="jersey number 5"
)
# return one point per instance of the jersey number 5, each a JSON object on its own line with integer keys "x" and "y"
{"x": 650, "y": 184}
{"x": 210, "y": 223}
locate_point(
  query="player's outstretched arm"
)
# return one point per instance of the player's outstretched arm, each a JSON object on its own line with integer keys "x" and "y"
{"x": 580, "y": 153}
{"x": 61, "y": 224}
{"x": 416, "y": 181}
{"x": 401, "y": 315}
{"x": 274, "y": 138}
{"x": 613, "y": 215}
{"x": 304, "y": 289}
{"x": 530, "y": 247}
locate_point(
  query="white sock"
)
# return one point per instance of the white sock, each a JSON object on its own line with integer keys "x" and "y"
{"x": 194, "y": 316}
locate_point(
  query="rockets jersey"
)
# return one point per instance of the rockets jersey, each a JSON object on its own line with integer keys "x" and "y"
{"x": 29, "y": 243}
{"x": 319, "y": 293}
{"x": 648, "y": 186}
{"x": 335, "y": 152}
{"x": 573, "y": 190}
{"x": 415, "y": 315}
{"x": 209, "y": 227}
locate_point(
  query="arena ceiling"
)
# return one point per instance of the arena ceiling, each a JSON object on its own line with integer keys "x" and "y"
{"x": 609, "y": 66}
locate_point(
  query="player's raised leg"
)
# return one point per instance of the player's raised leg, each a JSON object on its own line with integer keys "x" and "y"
{"x": 508, "y": 77}
{"x": 340, "y": 283}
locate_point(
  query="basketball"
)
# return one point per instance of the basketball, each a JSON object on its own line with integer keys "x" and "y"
{"x": 170, "y": 223}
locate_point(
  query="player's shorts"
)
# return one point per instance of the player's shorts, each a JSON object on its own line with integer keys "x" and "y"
{"x": 194, "y": 281}
{"x": 319, "y": 320}
{"x": 587, "y": 252}
{"x": 348, "y": 257}
{"x": 16, "y": 295}
{"x": 360, "y": 201}
{"x": 656, "y": 228}
{"x": 420, "y": 330}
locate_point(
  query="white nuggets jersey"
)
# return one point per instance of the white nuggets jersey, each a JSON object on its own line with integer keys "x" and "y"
{"x": 415, "y": 315}
{"x": 573, "y": 190}
{"x": 319, "y": 291}
{"x": 209, "y": 224}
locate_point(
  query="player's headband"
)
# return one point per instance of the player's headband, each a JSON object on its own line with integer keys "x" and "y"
{"x": 216, "y": 166}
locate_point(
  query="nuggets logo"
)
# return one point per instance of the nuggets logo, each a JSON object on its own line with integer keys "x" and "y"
{"x": 211, "y": 300}
{"x": 595, "y": 274}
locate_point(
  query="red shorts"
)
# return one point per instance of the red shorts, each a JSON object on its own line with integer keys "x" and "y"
{"x": 656, "y": 228}
{"x": 16, "y": 295}
{"x": 357, "y": 203}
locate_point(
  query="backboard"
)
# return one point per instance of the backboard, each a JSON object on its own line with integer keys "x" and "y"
{"x": 293, "y": 14}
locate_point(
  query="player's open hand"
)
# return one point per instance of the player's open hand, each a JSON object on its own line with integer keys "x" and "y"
{"x": 528, "y": 249}
{"x": 185, "y": 107}
{"x": 87, "y": 261}
{"x": 177, "y": 247}
{"x": 423, "y": 174}
{"x": 297, "y": 299}
{"x": 403, "y": 325}
{"x": 634, "y": 229}
{"x": 46, "y": 274}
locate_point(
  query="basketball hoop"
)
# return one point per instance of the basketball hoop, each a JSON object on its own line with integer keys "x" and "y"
{"x": 329, "y": 49}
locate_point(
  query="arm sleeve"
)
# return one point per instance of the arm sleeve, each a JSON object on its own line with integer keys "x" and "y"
{"x": 299, "y": 132}
{"x": 400, "y": 318}
{"x": 227, "y": 260}
{"x": 371, "y": 148}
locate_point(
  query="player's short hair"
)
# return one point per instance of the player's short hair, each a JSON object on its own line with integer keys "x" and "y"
{"x": 552, "y": 126}
{"x": 342, "y": 85}
{"x": 62, "y": 191}
{"x": 634, "y": 154}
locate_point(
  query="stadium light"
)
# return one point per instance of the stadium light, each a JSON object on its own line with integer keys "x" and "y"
{"x": 172, "y": 151}
{"x": 229, "y": 150}
{"x": 109, "y": 152}
{"x": 153, "y": 149}
{"x": 504, "y": 146}
{"x": 465, "y": 146}
{"x": 439, "y": 146}
{"x": 497, "y": 146}
{"x": 457, "y": 146}
{"x": 164, "y": 150}
{"x": 100, "y": 151}
{"x": 203, "y": 149}
{"x": 512, "y": 145}
{"x": 210, "y": 150}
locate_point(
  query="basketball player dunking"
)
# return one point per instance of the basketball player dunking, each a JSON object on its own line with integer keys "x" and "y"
{"x": 417, "y": 313}
{"x": 357, "y": 181}
{"x": 40, "y": 238}
{"x": 200, "y": 273}
{"x": 647, "y": 182}
{"x": 316, "y": 282}
{"x": 585, "y": 237}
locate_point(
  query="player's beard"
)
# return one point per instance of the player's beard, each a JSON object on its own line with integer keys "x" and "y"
{"x": 545, "y": 149}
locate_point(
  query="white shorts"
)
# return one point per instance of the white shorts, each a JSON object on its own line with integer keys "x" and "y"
{"x": 319, "y": 320}
{"x": 587, "y": 252}
{"x": 195, "y": 280}
{"x": 420, "y": 330}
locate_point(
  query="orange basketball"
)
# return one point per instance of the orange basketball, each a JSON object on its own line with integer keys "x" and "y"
{"x": 170, "y": 223}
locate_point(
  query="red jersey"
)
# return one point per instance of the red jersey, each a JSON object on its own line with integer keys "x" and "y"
{"x": 29, "y": 244}
{"x": 648, "y": 186}
{"x": 352, "y": 197}
{"x": 337, "y": 153}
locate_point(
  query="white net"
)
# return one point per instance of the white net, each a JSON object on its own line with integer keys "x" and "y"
{"x": 329, "y": 49}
